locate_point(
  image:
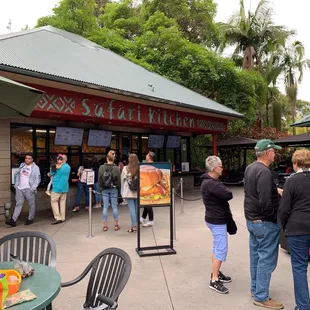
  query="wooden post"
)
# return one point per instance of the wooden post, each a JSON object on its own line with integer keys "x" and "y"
{"x": 214, "y": 143}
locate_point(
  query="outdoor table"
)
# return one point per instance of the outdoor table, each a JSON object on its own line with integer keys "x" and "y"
{"x": 44, "y": 283}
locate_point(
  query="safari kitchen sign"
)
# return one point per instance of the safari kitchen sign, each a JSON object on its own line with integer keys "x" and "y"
{"x": 74, "y": 106}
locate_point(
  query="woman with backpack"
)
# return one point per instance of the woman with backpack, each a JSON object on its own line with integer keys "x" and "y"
{"x": 129, "y": 181}
{"x": 109, "y": 185}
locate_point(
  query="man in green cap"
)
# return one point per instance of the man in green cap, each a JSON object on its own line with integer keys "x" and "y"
{"x": 261, "y": 202}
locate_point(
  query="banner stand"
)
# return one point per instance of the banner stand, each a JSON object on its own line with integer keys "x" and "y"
{"x": 166, "y": 202}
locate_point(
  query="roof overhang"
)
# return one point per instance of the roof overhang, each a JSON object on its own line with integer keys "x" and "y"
{"x": 16, "y": 98}
{"x": 123, "y": 93}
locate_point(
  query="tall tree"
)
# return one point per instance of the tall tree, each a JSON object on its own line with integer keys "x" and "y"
{"x": 253, "y": 34}
{"x": 293, "y": 64}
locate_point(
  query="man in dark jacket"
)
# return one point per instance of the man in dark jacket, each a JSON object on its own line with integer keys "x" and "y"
{"x": 261, "y": 204}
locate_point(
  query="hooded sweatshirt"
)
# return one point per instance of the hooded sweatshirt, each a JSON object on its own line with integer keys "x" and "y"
{"x": 215, "y": 198}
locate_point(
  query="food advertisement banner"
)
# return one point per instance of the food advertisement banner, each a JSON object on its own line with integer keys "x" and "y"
{"x": 155, "y": 184}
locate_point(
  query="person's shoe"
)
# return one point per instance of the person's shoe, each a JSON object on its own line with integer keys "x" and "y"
{"x": 56, "y": 222}
{"x": 76, "y": 209}
{"x": 48, "y": 193}
{"x": 148, "y": 224}
{"x": 11, "y": 222}
{"x": 218, "y": 286}
{"x": 270, "y": 304}
{"x": 223, "y": 278}
{"x": 96, "y": 206}
{"x": 29, "y": 222}
{"x": 63, "y": 221}
{"x": 142, "y": 220}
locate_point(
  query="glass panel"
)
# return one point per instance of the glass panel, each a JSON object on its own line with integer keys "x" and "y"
{"x": 114, "y": 142}
{"x": 144, "y": 146}
{"x": 21, "y": 143}
{"x": 184, "y": 150}
{"x": 135, "y": 144}
{"x": 53, "y": 148}
{"x": 44, "y": 165}
{"x": 170, "y": 155}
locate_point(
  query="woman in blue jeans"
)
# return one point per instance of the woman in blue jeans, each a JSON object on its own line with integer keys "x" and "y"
{"x": 294, "y": 215}
{"x": 129, "y": 173}
{"x": 217, "y": 213}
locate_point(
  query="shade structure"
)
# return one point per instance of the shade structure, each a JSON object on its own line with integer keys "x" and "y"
{"x": 305, "y": 122}
{"x": 16, "y": 98}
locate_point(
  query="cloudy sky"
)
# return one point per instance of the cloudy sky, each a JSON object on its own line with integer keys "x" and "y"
{"x": 293, "y": 15}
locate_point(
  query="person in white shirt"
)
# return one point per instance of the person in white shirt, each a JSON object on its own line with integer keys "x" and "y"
{"x": 28, "y": 179}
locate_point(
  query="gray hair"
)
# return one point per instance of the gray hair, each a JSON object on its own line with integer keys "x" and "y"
{"x": 212, "y": 162}
{"x": 260, "y": 153}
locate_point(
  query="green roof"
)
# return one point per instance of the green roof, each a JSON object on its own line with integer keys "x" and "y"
{"x": 55, "y": 54}
{"x": 305, "y": 122}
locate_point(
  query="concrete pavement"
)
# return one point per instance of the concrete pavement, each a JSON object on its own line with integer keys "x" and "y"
{"x": 173, "y": 282}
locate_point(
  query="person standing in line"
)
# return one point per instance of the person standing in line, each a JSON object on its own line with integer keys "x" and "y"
{"x": 82, "y": 185}
{"x": 129, "y": 189}
{"x": 148, "y": 211}
{"x": 27, "y": 180}
{"x": 95, "y": 167}
{"x": 261, "y": 203}
{"x": 294, "y": 216}
{"x": 217, "y": 214}
{"x": 60, "y": 189}
{"x": 109, "y": 185}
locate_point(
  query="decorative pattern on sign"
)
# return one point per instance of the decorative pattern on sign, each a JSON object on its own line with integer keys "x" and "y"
{"x": 211, "y": 125}
{"x": 21, "y": 144}
{"x": 56, "y": 103}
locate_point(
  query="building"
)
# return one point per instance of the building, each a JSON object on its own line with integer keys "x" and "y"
{"x": 89, "y": 87}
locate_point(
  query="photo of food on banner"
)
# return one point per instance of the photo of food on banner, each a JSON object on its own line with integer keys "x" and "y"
{"x": 155, "y": 183}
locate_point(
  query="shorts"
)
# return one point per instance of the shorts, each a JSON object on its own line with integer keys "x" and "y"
{"x": 220, "y": 241}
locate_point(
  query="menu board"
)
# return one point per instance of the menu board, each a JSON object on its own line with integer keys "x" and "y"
{"x": 156, "y": 141}
{"x": 173, "y": 142}
{"x": 69, "y": 136}
{"x": 99, "y": 138}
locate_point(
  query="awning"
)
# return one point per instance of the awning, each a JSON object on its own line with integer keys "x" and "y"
{"x": 17, "y": 99}
{"x": 305, "y": 122}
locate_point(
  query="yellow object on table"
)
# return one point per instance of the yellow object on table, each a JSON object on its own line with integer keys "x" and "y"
{"x": 11, "y": 274}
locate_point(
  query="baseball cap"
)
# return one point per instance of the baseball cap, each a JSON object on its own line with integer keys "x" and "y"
{"x": 266, "y": 144}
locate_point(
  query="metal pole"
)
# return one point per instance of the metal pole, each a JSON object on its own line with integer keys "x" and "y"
{"x": 173, "y": 210}
{"x": 182, "y": 196}
{"x": 90, "y": 228}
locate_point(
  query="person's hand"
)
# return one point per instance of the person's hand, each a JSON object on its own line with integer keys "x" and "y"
{"x": 280, "y": 191}
{"x": 48, "y": 174}
{"x": 33, "y": 190}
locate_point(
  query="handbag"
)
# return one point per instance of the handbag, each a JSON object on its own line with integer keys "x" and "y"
{"x": 231, "y": 226}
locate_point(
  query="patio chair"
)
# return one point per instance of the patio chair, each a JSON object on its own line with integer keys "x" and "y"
{"x": 110, "y": 271}
{"x": 30, "y": 246}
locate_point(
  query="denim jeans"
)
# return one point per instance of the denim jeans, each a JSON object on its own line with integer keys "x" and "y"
{"x": 264, "y": 249}
{"x": 133, "y": 206}
{"x": 82, "y": 187}
{"x": 109, "y": 196}
{"x": 299, "y": 247}
{"x": 97, "y": 196}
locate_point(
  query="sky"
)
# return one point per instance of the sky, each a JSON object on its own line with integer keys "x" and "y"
{"x": 292, "y": 15}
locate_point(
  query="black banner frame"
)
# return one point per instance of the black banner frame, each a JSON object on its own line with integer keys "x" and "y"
{"x": 160, "y": 249}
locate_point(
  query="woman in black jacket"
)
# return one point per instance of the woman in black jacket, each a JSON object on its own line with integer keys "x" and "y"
{"x": 217, "y": 213}
{"x": 294, "y": 215}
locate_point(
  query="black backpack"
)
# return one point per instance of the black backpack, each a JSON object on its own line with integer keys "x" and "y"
{"x": 107, "y": 179}
{"x": 133, "y": 184}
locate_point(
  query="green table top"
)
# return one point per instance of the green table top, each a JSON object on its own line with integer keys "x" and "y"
{"x": 45, "y": 284}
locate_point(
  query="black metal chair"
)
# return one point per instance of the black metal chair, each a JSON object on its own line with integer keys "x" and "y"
{"x": 30, "y": 246}
{"x": 110, "y": 271}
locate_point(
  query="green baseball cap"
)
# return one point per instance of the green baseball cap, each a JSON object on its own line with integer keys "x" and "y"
{"x": 266, "y": 144}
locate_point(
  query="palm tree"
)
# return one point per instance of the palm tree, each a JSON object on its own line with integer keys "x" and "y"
{"x": 254, "y": 34}
{"x": 293, "y": 64}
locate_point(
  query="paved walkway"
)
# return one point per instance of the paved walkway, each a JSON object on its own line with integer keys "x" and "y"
{"x": 174, "y": 282}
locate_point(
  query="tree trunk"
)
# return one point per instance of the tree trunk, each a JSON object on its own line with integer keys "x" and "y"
{"x": 248, "y": 61}
{"x": 293, "y": 103}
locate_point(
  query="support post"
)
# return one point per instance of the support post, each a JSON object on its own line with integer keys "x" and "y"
{"x": 173, "y": 210}
{"x": 90, "y": 228}
{"x": 182, "y": 196}
{"x": 214, "y": 148}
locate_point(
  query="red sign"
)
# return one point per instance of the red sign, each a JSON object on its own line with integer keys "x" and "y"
{"x": 81, "y": 107}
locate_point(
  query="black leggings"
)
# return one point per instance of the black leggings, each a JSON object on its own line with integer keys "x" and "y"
{"x": 148, "y": 211}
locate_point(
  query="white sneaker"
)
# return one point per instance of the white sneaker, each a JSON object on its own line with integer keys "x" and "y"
{"x": 148, "y": 224}
{"x": 48, "y": 193}
{"x": 142, "y": 220}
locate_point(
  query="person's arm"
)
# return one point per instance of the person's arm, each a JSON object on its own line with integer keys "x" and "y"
{"x": 80, "y": 171}
{"x": 123, "y": 176}
{"x": 264, "y": 186}
{"x": 37, "y": 178}
{"x": 285, "y": 207}
{"x": 100, "y": 176}
{"x": 118, "y": 177}
{"x": 222, "y": 192}
{"x": 17, "y": 177}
